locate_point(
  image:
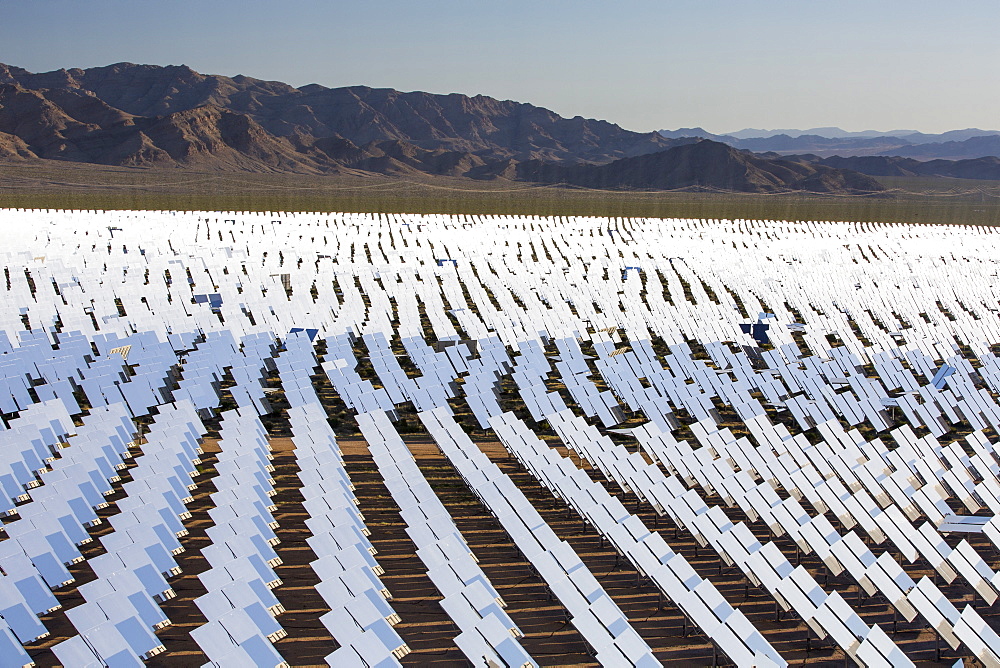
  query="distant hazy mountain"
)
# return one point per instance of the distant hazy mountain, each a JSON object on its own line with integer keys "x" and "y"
{"x": 975, "y": 147}
{"x": 875, "y": 165}
{"x": 150, "y": 116}
{"x": 954, "y": 144}
{"x": 951, "y": 135}
{"x": 818, "y": 144}
{"x": 828, "y": 132}
{"x": 911, "y": 136}
{"x": 680, "y": 133}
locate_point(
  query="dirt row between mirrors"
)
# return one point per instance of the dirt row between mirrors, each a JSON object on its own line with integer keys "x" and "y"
{"x": 549, "y": 638}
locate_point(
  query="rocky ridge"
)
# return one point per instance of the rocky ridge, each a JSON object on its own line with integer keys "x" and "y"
{"x": 150, "y": 116}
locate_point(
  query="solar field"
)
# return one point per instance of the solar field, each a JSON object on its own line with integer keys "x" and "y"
{"x": 296, "y": 439}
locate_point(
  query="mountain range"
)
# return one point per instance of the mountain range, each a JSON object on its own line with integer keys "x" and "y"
{"x": 878, "y": 165}
{"x": 911, "y": 136}
{"x": 134, "y": 105}
{"x": 951, "y": 145}
{"x": 706, "y": 165}
{"x": 174, "y": 117}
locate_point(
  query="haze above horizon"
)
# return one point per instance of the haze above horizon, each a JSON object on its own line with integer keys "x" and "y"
{"x": 641, "y": 64}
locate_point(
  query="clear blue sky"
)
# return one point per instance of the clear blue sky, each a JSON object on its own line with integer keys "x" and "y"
{"x": 723, "y": 65}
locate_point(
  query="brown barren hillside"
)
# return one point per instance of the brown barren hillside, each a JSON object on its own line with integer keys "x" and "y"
{"x": 706, "y": 165}
{"x": 148, "y": 116}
